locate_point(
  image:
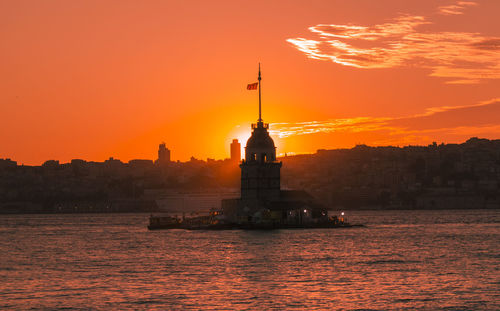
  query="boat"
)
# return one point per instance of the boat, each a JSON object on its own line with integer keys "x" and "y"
{"x": 214, "y": 221}
{"x": 164, "y": 222}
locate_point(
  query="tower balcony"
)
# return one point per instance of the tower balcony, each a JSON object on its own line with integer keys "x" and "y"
{"x": 260, "y": 125}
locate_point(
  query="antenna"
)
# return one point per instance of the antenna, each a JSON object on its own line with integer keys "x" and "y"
{"x": 260, "y": 105}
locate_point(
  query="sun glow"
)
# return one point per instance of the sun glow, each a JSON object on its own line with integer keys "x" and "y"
{"x": 411, "y": 73}
{"x": 242, "y": 133}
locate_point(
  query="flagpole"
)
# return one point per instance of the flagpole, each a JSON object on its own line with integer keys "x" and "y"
{"x": 260, "y": 115}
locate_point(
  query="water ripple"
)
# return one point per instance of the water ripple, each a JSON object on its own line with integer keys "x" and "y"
{"x": 402, "y": 260}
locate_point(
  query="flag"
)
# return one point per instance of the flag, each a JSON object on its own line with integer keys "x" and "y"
{"x": 252, "y": 86}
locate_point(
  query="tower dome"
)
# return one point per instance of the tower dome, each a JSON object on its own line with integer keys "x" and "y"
{"x": 260, "y": 146}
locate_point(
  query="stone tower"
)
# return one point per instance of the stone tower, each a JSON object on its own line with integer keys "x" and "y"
{"x": 260, "y": 172}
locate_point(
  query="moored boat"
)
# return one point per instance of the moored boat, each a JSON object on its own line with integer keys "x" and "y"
{"x": 215, "y": 221}
{"x": 164, "y": 222}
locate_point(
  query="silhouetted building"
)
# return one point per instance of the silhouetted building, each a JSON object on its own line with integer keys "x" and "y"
{"x": 262, "y": 201}
{"x": 260, "y": 172}
{"x": 114, "y": 166}
{"x": 7, "y": 163}
{"x": 51, "y": 164}
{"x": 235, "y": 151}
{"x": 163, "y": 154}
{"x": 140, "y": 164}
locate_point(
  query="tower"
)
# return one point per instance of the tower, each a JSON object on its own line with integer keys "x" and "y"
{"x": 262, "y": 203}
{"x": 260, "y": 172}
{"x": 235, "y": 151}
{"x": 163, "y": 154}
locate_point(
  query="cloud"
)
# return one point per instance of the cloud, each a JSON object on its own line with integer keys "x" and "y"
{"x": 460, "y": 57}
{"x": 435, "y": 110}
{"x": 455, "y": 9}
{"x": 458, "y": 120}
{"x": 360, "y": 124}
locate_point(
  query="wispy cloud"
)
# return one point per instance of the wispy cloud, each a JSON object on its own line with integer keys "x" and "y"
{"x": 455, "y": 9}
{"x": 361, "y": 124}
{"x": 461, "y": 57}
{"x": 435, "y": 110}
{"x": 450, "y": 119}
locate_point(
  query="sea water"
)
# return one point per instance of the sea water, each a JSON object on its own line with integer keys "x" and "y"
{"x": 400, "y": 260}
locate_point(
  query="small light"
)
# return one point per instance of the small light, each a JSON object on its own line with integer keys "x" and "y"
{"x": 305, "y": 211}
{"x": 342, "y": 214}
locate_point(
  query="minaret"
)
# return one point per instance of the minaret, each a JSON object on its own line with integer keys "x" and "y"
{"x": 260, "y": 172}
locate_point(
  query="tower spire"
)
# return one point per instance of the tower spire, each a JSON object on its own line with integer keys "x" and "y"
{"x": 260, "y": 105}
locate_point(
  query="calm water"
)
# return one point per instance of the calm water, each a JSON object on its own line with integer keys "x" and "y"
{"x": 401, "y": 260}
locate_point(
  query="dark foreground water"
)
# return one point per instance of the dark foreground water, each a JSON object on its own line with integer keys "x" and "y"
{"x": 401, "y": 260}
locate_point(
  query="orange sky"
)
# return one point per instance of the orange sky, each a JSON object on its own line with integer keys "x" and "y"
{"x": 94, "y": 79}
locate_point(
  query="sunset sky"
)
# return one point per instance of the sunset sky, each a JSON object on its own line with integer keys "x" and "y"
{"x": 95, "y": 79}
